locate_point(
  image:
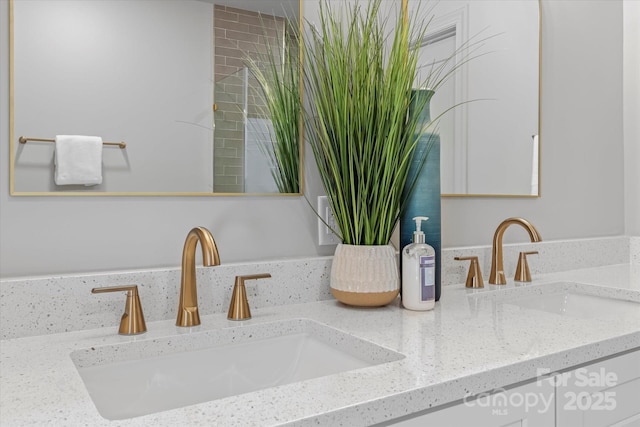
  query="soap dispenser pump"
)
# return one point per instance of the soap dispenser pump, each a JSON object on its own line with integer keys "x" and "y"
{"x": 418, "y": 271}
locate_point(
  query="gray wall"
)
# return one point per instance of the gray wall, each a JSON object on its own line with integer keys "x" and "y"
{"x": 582, "y": 178}
{"x": 631, "y": 114}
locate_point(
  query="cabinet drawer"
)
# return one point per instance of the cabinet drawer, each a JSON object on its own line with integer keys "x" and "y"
{"x": 605, "y": 393}
{"x": 529, "y": 405}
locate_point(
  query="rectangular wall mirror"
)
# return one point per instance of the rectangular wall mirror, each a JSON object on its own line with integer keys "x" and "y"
{"x": 490, "y": 143}
{"x": 151, "y": 72}
{"x": 167, "y": 77}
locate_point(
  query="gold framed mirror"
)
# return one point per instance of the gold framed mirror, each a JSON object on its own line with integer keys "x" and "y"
{"x": 490, "y": 142}
{"x": 190, "y": 130}
{"x": 169, "y": 78}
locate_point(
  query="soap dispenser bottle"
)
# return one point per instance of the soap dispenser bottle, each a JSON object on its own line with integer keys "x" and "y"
{"x": 418, "y": 271}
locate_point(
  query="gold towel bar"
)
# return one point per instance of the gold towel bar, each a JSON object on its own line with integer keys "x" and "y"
{"x": 24, "y": 139}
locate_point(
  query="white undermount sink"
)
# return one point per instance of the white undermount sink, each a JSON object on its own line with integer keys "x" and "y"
{"x": 570, "y": 299}
{"x": 144, "y": 377}
{"x": 579, "y": 305}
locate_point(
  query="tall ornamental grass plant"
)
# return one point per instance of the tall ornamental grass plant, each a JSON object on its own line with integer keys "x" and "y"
{"x": 358, "y": 80}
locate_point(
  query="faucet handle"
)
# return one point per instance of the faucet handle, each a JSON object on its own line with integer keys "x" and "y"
{"x": 132, "y": 321}
{"x": 522, "y": 270}
{"x": 474, "y": 276}
{"x": 239, "y": 307}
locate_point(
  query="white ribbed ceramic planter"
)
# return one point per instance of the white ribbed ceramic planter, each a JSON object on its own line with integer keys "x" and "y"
{"x": 365, "y": 275}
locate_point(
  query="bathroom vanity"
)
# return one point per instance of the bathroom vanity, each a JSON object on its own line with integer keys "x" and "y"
{"x": 483, "y": 355}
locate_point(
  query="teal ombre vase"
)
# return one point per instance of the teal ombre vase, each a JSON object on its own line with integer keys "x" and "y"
{"x": 424, "y": 199}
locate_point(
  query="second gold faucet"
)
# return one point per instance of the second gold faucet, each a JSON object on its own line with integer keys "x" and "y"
{"x": 497, "y": 276}
{"x": 188, "y": 305}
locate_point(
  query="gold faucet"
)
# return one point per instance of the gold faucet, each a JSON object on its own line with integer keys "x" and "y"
{"x": 497, "y": 276}
{"x": 188, "y": 306}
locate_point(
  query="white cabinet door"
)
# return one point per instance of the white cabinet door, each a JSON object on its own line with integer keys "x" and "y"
{"x": 605, "y": 393}
{"x": 528, "y": 405}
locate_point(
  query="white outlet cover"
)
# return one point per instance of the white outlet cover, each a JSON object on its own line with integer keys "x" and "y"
{"x": 325, "y": 235}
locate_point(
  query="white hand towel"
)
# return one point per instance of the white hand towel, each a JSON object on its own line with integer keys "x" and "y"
{"x": 78, "y": 160}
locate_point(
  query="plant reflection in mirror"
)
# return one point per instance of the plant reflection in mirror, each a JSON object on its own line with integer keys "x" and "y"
{"x": 276, "y": 68}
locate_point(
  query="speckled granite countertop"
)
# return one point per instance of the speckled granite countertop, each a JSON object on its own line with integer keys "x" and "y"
{"x": 467, "y": 345}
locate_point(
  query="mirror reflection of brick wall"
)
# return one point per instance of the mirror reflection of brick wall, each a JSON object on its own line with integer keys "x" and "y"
{"x": 237, "y": 33}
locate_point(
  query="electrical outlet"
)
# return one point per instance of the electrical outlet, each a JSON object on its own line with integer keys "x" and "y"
{"x": 325, "y": 235}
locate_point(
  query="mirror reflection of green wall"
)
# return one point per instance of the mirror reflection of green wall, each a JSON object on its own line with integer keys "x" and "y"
{"x": 148, "y": 73}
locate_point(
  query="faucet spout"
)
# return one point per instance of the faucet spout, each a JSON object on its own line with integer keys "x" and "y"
{"x": 497, "y": 276}
{"x": 188, "y": 305}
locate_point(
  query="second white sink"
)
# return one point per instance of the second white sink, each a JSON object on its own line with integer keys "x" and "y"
{"x": 569, "y": 299}
{"x": 578, "y": 305}
{"x": 145, "y": 377}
